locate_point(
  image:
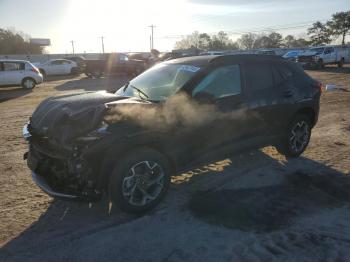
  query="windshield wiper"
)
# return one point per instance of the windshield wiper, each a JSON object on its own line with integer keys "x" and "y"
{"x": 137, "y": 89}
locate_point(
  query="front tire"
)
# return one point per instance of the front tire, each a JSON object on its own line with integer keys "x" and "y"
{"x": 139, "y": 181}
{"x": 297, "y": 137}
{"x": 28, "y": 83}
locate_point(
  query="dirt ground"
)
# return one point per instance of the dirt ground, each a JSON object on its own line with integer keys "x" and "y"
{"x": 255, "y": 206}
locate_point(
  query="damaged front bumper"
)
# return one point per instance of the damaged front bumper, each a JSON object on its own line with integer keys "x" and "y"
{"x": 53, "y": 171}
{"x": 44, "y": 186}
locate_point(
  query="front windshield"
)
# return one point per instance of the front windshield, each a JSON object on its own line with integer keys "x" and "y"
{"x": 159, "y": 82}
{"x": 318, "y": 50}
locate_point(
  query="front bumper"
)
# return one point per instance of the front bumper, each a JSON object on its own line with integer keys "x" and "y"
{"x": 40, "y": 182}
{"x": 42, "y": 179}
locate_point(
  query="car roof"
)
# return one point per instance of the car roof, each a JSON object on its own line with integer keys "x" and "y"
{"x": 205, "y": 60}
{"x": 14, "y": 60}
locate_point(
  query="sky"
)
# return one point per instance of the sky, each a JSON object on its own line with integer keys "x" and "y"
{"x": 124, "y": 24}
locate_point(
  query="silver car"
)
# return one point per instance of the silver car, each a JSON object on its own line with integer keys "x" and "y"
{"x": 19, "y": 73}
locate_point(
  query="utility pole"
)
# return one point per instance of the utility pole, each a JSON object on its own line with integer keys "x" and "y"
{"x": 103, "y": 45}
{"x": 152, "y": 39}
{"x": 72, "y": 45}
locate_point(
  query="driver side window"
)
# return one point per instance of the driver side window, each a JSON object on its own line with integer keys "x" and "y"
{"x": 222, "y": 82}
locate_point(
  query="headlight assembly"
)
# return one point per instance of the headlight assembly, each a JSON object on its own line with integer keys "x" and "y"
{"x": 96, "y": 134}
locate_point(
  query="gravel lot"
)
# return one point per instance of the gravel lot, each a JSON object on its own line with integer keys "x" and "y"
{"x": 255, "y": 206}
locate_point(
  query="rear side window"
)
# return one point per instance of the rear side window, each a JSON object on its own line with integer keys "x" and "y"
{"x": 222, "y": 82}
{"x": 259, "y": 76}
{"x": 281, "y": 73}
{"x": 57, "y": 62}
{"x": 13, "y": 66}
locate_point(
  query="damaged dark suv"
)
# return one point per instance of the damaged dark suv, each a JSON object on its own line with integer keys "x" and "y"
{"x": 170, "y": 118}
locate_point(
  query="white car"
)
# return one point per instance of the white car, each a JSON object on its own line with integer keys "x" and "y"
{"x": 58, "y": 67}
{"x": 19, "y": 73}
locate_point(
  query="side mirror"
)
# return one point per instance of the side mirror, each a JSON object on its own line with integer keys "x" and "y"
{"x": 204, "y": 97}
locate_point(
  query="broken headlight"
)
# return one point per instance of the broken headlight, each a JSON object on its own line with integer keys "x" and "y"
{"x": 96, "y": 134}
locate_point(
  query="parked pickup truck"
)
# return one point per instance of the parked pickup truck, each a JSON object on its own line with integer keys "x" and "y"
{"x": 318, "y": 57}
{"x": 112, "y": 64}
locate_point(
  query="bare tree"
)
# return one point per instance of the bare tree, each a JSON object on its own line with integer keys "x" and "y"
{"x": 12, "y": 42}
{"x": 246, "y": 41}
{"x": 319, "y": 34}
{"x": 339, "y": 25}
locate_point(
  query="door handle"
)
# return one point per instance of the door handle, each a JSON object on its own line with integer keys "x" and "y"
{"x": 287, "y": 93}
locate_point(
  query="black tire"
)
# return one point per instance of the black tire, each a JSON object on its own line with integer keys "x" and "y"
{"x": 293, "y": 147}
{"x": 341, "y": 63}
{"x": 42, "y": 71}
{"x": 122, "y": 175}
{"x": 28, "y": 83}
{"x": 75, "y": 71}
{"x": 320, "y": 64}
{"x": 96, "y": 74}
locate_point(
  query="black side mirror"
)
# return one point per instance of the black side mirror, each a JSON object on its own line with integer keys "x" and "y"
{"x": 204, "y": 97}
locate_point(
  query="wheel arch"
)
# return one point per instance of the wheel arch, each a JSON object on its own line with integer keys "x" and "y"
{"x": 309, "y": 112}
{"x": 28, "y": 77}
{"x": 118, "y": 152}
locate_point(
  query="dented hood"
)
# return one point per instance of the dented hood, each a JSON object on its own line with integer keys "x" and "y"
{"x": 68, "y": 116}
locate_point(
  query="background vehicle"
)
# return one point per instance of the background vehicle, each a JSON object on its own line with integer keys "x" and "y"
{"x": 19, "y": 72}
{"x": 292, "y": 55}
{"x": 57, "y": 67}
{"x": 212, "y": 53}
{"x": 112, "y": 64}
{"x": 79, "y": 60}
{"x": 318, "y": 57}
{"x": 166, "y": 120}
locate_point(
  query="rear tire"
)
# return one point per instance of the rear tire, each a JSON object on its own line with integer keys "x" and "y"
{"x": 297, "y": 137}
{"x": 28, "y": 83}
{"x": 341, "y": 63}
{"x": 139, "y": 180}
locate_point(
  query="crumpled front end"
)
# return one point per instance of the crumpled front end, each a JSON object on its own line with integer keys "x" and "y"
{"x": 63, "y": 171}
{"x": 62, "y": 134}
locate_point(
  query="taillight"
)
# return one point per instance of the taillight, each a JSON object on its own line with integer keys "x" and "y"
{"x": 35, "y": 70}
{"x": 319, "y": 86}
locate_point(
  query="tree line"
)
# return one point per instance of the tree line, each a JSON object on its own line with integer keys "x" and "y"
{"x": 318, "y": 34}
{"x": 12, "y": 42}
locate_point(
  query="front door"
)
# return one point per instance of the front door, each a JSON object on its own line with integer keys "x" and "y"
{"x": 221, "y": 118}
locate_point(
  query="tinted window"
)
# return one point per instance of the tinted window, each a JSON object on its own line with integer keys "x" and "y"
{"x": 123, "y": 58}
{"x": 259, "y": 76}
{"x": 281, "y": 73}
{"x": 329, "y": 50}
{"x": 13, "y": 66}
{"x": 224, "y": 81}
{"x": 57, "y": 62}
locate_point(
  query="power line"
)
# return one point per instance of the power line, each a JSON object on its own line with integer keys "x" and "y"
{"x": 257, "y": 29}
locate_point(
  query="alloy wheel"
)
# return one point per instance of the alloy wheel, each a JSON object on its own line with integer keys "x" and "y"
{"x": 299, "y": 137}
{"x": 143, "y": 183}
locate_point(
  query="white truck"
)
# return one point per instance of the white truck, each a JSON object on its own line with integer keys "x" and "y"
{"x": 318, "y": 57}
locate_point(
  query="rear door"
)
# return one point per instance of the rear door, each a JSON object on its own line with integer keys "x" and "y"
{"x": 13, "y": 72}
{"x": 261, "y": 97}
